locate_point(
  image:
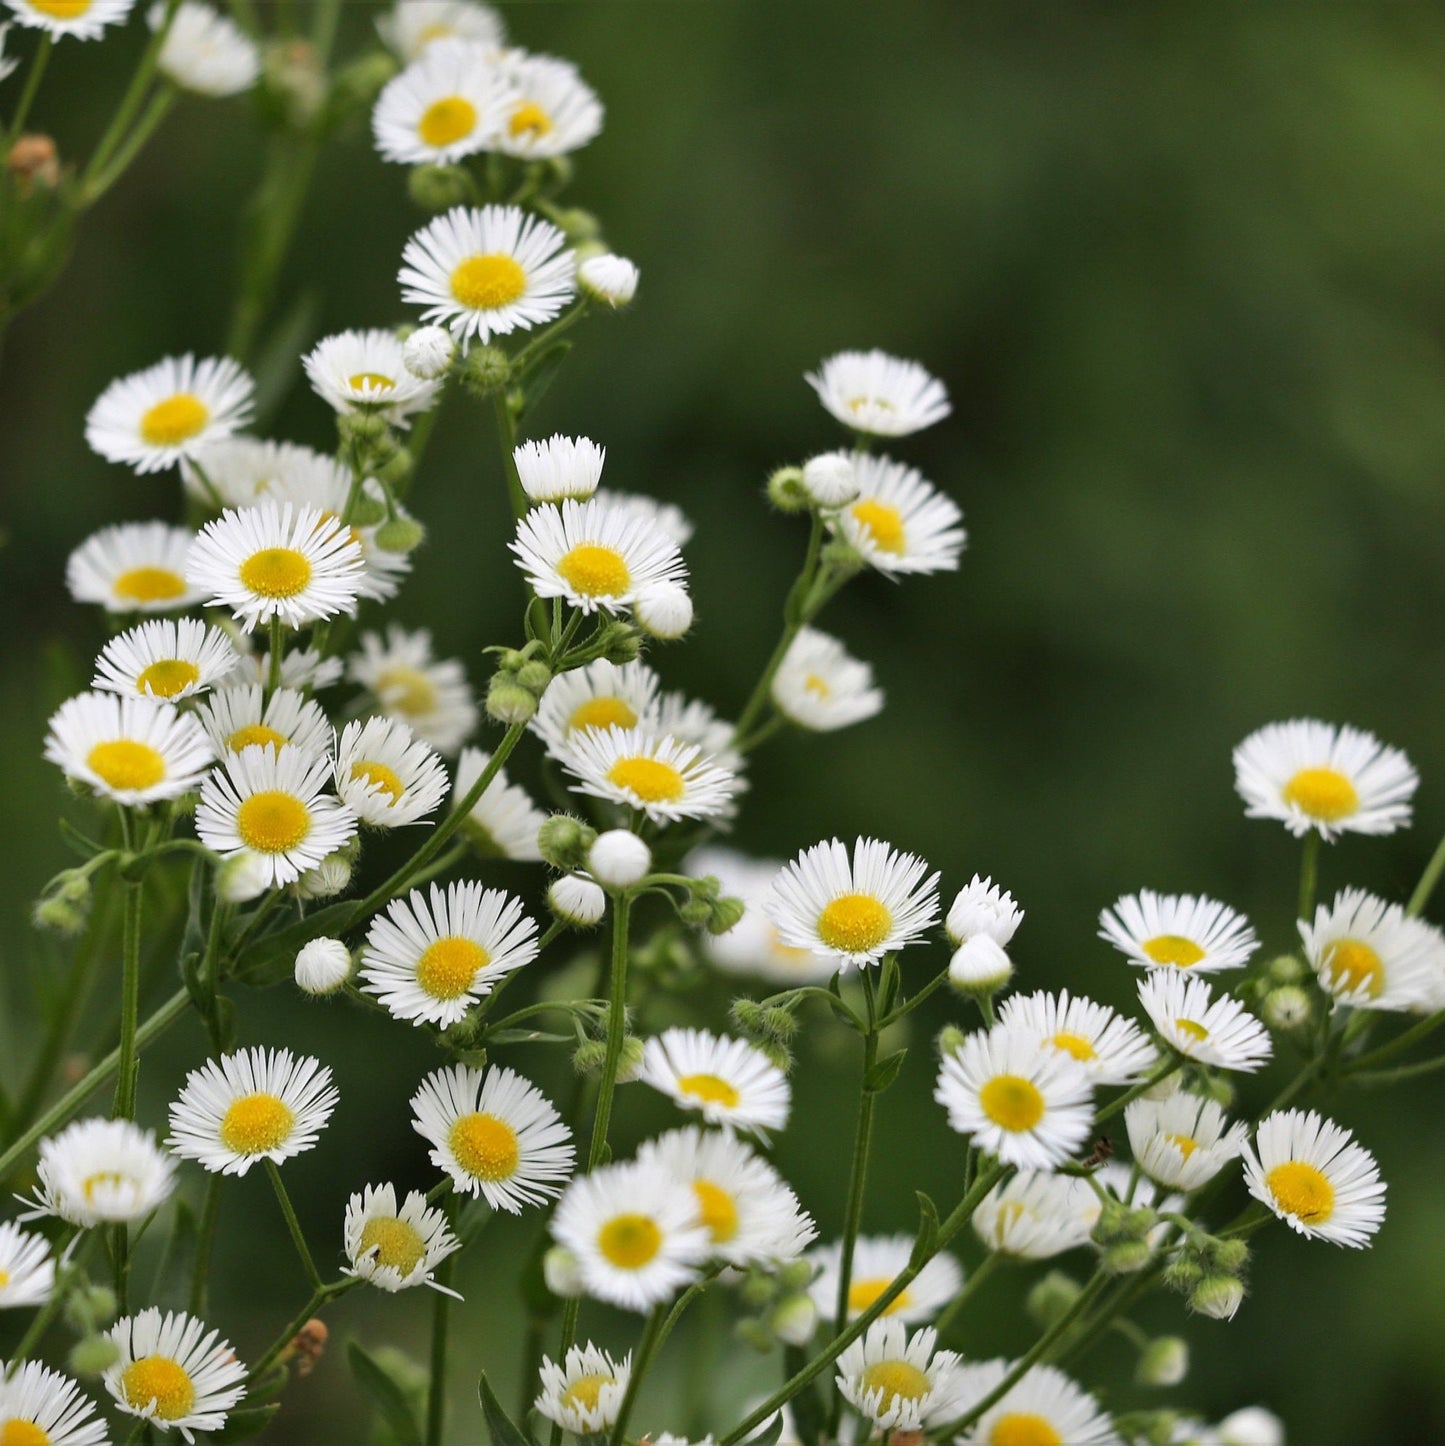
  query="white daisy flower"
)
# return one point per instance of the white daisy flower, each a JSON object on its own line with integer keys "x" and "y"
{"x": 982, "y": 908}
{"x": 899, "y": 1383}
{"x": 599, "y": 695}
{"x": 750, "y": 1213}
{"x": 133, "y": 750}
{"x": 503, "y": 822}
{"x": 596, "y": 555}
{"x": 151, "y": 419}
{"x": 428, "y": 959}
{"x": 173, "y": 1372}
{"x": 553, "y": 111}
{"x": 666, "y": 516}
{"x": 1313, "y": 1175}
{"x": 576, "y": 901}
{"x": 495, "y": 1134}
{"x": 1112, "y": 1049}
{"x": 205, "y": 52}
{"x": 7, "y": 67}
{"x": 1313, "y": 775}
{"x": 303, "y": 669}
{"x": 385, "y": 775}
{"x": 103, "y": 1172}
{"x": 637, "y": 1234}
{"x": 253, "y": 1105}
{"x": 878, "y": 394}
{"x": 411, "y": 26}
{"x": 899, "y": 523}
{"x": 41, "y": 1407}
{"x": 137, "y": 567}
{"x": 431, "y": 698}
{"x": 449, "y": 103}
{"x": 83, "y": 19}
{"x": 428, "y": 352}
{"x": 1044, "y": 1407}
{"x": 367, "y": 369}
{"x": 1206, "y": 1030}
{"x": 1035, "y": 1215}
{"x": 165, "y": 659}
{"x": 240, "y": 471}
{"x": 1182, "y": 1141}
{"x": 821, "y": 687}
{"x": 394, "y": 1248}
{"x": 730, "y": 1081}
{"x": 238, "y": 718}
{"x": 559, "y": 468}
{"x": 1371, "y": 954}
{"x": 691, "y": 720}
{"x": 270, "y": 802}
{"x": 584, "y": 1394}
{"x": 853, "y": 913}
{"x": 878, "y": 1260}
{"x": 649, "y": 771}
{"x": 1250, "y": 1426}
{"x": 488, "y": 272}
{"x": 1025, "y": 1106}
{"x": 27, "y": 1274}
{"x": 322, "y": 966}
{"x": 1180, "y": 931}
{"x": 277, "y": 561}
{"x": 610, "y": 279}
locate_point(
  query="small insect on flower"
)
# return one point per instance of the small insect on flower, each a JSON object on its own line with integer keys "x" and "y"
{"x": 204, "y": 52}
{"x": 1179, "y": 931}
{"x": 165, "y": 659}
{"x": 650, "y": 771}
{"x": 900, "y": 1383}
{"x": 732, "y": 1083}
{"x": 1182, "y": 1141}
{"x": 385, "y": 776}
{"x": 878, "y": 1260}
{"x": 1045, "y": 1408}
{"x": 1221, "y": 1032}
{"x": 584, "y": 1394}
{"x": 450, "y": 102}
{"x": 821, "y": 687}
{"x": 240, "y": 717}
{"x": 412, "y": 26}
{"x": 553, "y": 111}
{"x": 1035, "y": 1215}
{"x": 899, "y": 523}
{"x": 431, "y": 698}
{"x": 367, "y": 370}
{"x": 1112, "y": 1049}
{"x": 173, "y": 1372}
{"x": 1371, "y": 954}
{"x": 27, "y": 1272}
{"x": 103, "y": 1172}
{"x": 393, "y": 1248}
{"x": 878, "y": 394}
{"x": 137, "y": 567}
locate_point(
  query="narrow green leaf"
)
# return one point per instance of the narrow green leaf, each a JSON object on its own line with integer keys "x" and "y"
{"x": 925, "y": 1243}
{"x": 884, "y": 1072}
{"x": 387, "y": 1396}
{"x": 539, "y": 374}
{"x": 504, "y": 1431}
{"x": 241, "y": 1425}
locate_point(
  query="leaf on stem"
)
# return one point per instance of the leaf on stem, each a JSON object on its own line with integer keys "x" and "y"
{"x": 538, "y": 374}
{"x": 387, "y": 1396}
{"x": 925, "y": 1243}
{"x": 242, "y": 1425}
{"x": 885, "y": 1071}
{"x": 503, "y": 1430}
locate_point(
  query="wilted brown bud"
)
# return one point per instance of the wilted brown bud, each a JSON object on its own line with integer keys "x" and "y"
{"x": 307, "y": 1346}
{"x": 34, "y": 161}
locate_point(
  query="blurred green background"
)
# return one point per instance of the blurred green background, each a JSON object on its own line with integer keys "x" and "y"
{"x": 1180, "y": 267}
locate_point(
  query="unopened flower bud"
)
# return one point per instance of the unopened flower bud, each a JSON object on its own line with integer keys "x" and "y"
{"x": 322, "y": 966}
{"x": 589, "y": 1056}
{"x": 1163, "y": 1362}
{"x": 428, "y": 352}
{"x": 89, "y": 1306}
{"x": 1051, "y": 1298}
{"x": 756, "y": 1334}
{"x": 1287, "y": 1008}
{"x": 630, "y": 1062}
{"x": 1183, "y": 1274}
{"x": 576, "y": 901}
{"x": 831, "y": 479}
{"x": 1217, "y": 1296}
{"x": 563, "y": 1272}
{"x": 979, "y": 967}
{"x": 778, "y": 1023}
{"x": 794, "y": 1319}
{"x": 1229, "y": 1256}
{"x": 438, "y": 188}
{"x": 486, "y": 370}
{"x": 564, "y": 841}
{"x": 508, "y": 702}
{"x": 1286, "y": 969}
{"x": 534, "y": 675}
{"x": 368, "y": 510}
{"x": 58, "y": 915}
{"x": 1126, "y": 1257}
{"x": 93, "y": 1356}
{"x": 727, "y": 913}
{"x": 34, "y": 163}
{"x": 364, "y": 425}
{"x": 400, "y": 534}
{"x": 618, "y": 858}
{"x": 1252, "y": 1426}
{"x": 786, "y": 490}
{"x": 796, "y": 1274}
{"x": 358, "y": 83}
{"x": 330, "y": 877}
{"x": 695, "y": 912}
{"x": 243, "y": 878}
{"x": 758, "y": 1290}
{"x": 663, "y": 611}
{"x": 612, "y": 280}
{"x": 950, "y": 1040}
{"x": 578, "y": 224}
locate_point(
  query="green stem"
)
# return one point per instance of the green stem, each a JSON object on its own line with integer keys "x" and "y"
{"x": 949, "y": 1313}
{"x": 132, "y": 100}
{"x": 278, "y": 639}
{"x": 1428, "y": 880}
{"x": 436, "y": 1400}
{"x": 1401, "y": 1042}
{"x": 125, "y": 1085}
{"x": 38, "y": 62}
{"x": 647, "y": 1347}
{"x": 909, "y": 1005}
{"x": 507, "y": 434}
{"x": 563, "y": 323}
{"x": 1308, "y": 874}
{"x": 1143, "y": 1087}
{"x": 205, "y": 1237}
{"x": 130, "y": 148}
{"x": 294, "y": 1226}
{"x": 1386, "y": 1077}
{"x": 47, "y": 1313}
{"x": 319, "y": 1297}
{"x": 616, "y": 1031}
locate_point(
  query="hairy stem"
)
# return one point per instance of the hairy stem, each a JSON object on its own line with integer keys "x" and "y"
{"x": 125, "y": 1084}
{"x": 294, "y": 1226}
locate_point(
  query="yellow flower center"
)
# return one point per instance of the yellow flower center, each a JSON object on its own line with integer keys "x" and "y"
{"x": 381, "y": 778}
{"x": 396, "y": 1243}
{"x": 718, "y": 1209}
{"x": 125, "y": 764}
{"x": 102, "y": 1179}
{"x": 862, "y": 1294}
{"x": 1192, "y": 1029}
{"x": 256, "y": 1123}
{"x": 486, "y": 1147}
{"x": 710, "y": 1088}
{"x": 256, "y": 733}
{"x": 857, "y": 404}
{"x": 447, "y": 967}
{"x": 484, "y": 283}
{"x": 1302, "y": 1191}
{"x": 1076, "y": 1045}
{"x": 1353, "y": 965}
{"x": 817, "y": 685}
{"x": 595, "y": 571}
{"x": 446, "y": 121}
{"x": 169, "y": 676}
{"x": 408, "y": 690}
{"x": 175, "y": 420}
{"x": 4, "y": 1279}
{"x": 529, "y": 119}
{"x": 649, "y": 778}
{"x": 1173, "y": 949}
{"x": 629, "y": 1241}
{"x": 1187, "y": 1144}
{"x": 883, "y": 521}
{"x": 584, "y": 1392}
{"x": 23, "y": 1433}
{"x": 370, "y": 381}
{"x": 854, "y": 923}
{"x": 1023, "y": 1428}
{"x": 272, "y": 822}
{"x": 602, "y": 713}
{"x": 276, "y": 572}
{"x": 898, "y": 1380}
{"x": 1012, "y": 1102}
{"x": 1322, "y": 793}
{"x": 158, "y": 1380}
{"x": 149, "y": 584}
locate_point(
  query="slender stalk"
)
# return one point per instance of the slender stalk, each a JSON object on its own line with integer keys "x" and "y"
{"x": 205, "y": 1238}
{"x": 1386, "y": 1077}
{"x": 543, "y": 339}
{"x": 507, "y": 433}
{"x": 130, "y": 148}
{"x": 1143, "y": 1087}
{"x": 646, "y": 1349}
{"x": 1308, "y": 874}
{"x": 294, "y": 1226}
{"x": 38, "y": 62}
{"x": 1428, "y": 880}
{"x": 949, "y": 1313}
{"x": 319, "y": 1298}
{"x": 1401, "y": 1042}
{"x": 132, "y": 100}
{"x": 436, "y": 1399}
{"x": 47, "y": 1313}
{"x": 616, "y": 1030}
{"x": 278, "y": 639}
{"x": 125, "y": 1084}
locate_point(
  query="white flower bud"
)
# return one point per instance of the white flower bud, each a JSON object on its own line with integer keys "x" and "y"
{"x": 577, "y": 901}
{"x": 664, "y": 611}
{"x": 1252, "y": 1426}
{"x": 559, "y": 467}
{"x": 563, "y": 1272}
{"x": 328, "y": 878}
{"x": 980, "y": 966}
{"x": 1164, "y": 1362}
{"x": 830, "y": 480}
{"x": 1286, "y": 1008}
{"x": 243, "y": 878}
{"x": 983, "y": 908}
{"x": 609, "y": 279}
{"x": 618, "y": 858}
{"x": 795, "y": 1319}
{"x": 428, "y": 352}
{"x": 1217, "y": 1296}
{"x": 322, "y": 966}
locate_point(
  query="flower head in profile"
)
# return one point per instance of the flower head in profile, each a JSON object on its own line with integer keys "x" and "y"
{"x": 1371, "y": 954}
{"x": 165, "y": 659}
{"x": 558, "y": 468}
{"x": 1221, "y": 1031}
{"x": 1035, "y": 1215}
{"x": 103, "y": 1172}
{"x": 1113, "y": 1050}
{"x": 174, "y": 1372}
{"x": 552, "y": 111}
{"x": 356, "y": 370}
{"x": 395, "y": 1247}
{"x": 821, "y": 687}
{"x": 584, "y": 1394}
{"x": 504, "y": 822}
{"x": 204, "y": 51}
{"x": 1044, "y": 1406}
{"x": 878, "y": 394}
{"x": 599, "y": 695}
{"x": 411, "y": 27}
{"x": 432, "y": 698}
{"x": 899, "y": 523}
{"x": 1182, "y": 1141}
{"x": 650, "y": 771}
{"x": 242, "y": 716}
{"x": 386, "y": 776}
{"x": 27, "y": 1272}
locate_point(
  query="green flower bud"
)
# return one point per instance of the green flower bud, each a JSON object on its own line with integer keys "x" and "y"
{"x": 397, "y": 471}
{"x": 631, "y": 1060}
{"x": 1126, "y": 1257}
{"x": 1217, "y": 1088}
{"x": 90, "y": 1306}
{"x": 578, "y": 224}
{"x": 794, "y": 1320}
{"x": 786, "y": 491}
{"x": 400, "y": 534}
{"x": 950, "y": 1040}
{"x": 726, "y": 914}
{"x": 1163, "y": 1362}
{"x": 486, "y": 370}
{"x": 507, "y": 703}
{"x": 534, "y": 676}
{"x": 756, "y": 1334}
{"x": 1051, "y": 1298}
{"x": 623, "y": 644}
{"x": 795, "y": 1274}
{"x": 748, "y": 1015}
{"x": 363, "y": 426}
{"x": 589, "y": 1056}
{"x": 1183, "y": 1274}
{"x": 1112, "y": 1224}
{"x": 439, "y": 188}
{"x": 1287, "y": 1008}
{"x": 1217, "y": 1296}
{"x": 93, "y": 1356}
{"x": 57, "y": 915}
{"x": 1286, "y": 969}
{"x": 1229, "y": 1256}
{"x": 368, "y": 511}
{"x": 758, "y": 1290}
{"x": 696, "y": 912}
{"x": 565, "y": 841}
{"x": 358, "y": 84}
{"x": 779, "y": 1023}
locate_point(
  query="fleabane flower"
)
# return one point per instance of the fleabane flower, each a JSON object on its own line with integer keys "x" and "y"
{"x": 1044, "y": 1407}
{"x": 601, "y": 694}
{"x": 103, "y": 1172}
{"x": 132, "y": 750}
{"x": 495, "y": 1134}
{"x": 1178, "y": 931}
{"x": 277, "y": 561}
{"x": 151, "y": 419}
{"x": 7, "y": 67}
{"x": 821, "y": 687}
{"x": 386, "y": 776}
{"x": 552, "y": 112}
{"x": 899, "y": 523}
{"x": 1034, "y": 1215}
{"x": 165, "y": 659}
{"x": 411, "y": 27}
{"x": 853, "y": 911}
{"x": 1026, "y": 1106}
{"x": 668, "y": 517}
{"x": 1113, "y": 1050}
{"x": 81, "y": 19}
{"x": 367, "y": 369}
{"x": 432, "y": 698}
{"x": 559, "y": 468}
{"x": 174, "y": 1372}
{"x": 1322, "y": 776}
{"x": 1371, "y": 954}
{"x": 1313, "y": 1175}
{"x": 239, "y": 717}
{"x": 1221, "y": 1032}
{"x": 488, "y": 272}
{"x": 650, "y": 771}
{"x": 729, "y": 1081}
{"x": 1182, "y": 1141}
{"x": 205, "y": 52}
{"x": 301, "y": 668}
{"x": 878, "y": 394}
{"x": 450, "y": 102}
{"x": 610, "y": 279}
{"x": 584, "y": 1394}
{"x": 596, "y": 555}
{"x": 638, "y": 1235}
{"x": 504, "y": 822}
{"x": 430, "y": 957}
{"x": 41, "y": 1407}
{"x": 27, "y": 1274}
{"x": 271, "y": 802}
{"x": 898, "y": 1382}
{"x": 136, "y": 567}
{"x": 982, "y": 907}
{"x": 878, "y": 1260}
{"x": 394, "y": 1247}
{"x": 242, "y": 471}
{"x": 255, "y": 1104}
